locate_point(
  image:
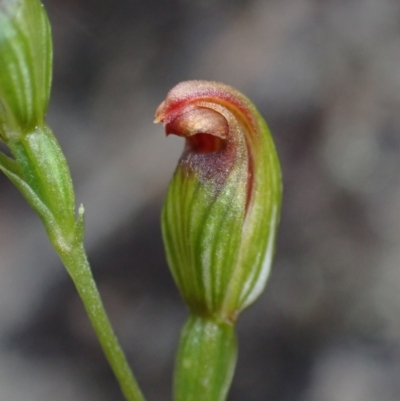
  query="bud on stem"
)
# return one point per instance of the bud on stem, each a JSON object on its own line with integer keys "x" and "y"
{"x": 40, "y": 170}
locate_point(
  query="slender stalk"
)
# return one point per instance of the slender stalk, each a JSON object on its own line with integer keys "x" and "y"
{"x": 39, "y": 168}
{"x": 75, "y": 261}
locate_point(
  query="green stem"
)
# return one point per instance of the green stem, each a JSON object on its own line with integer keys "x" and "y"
{"x": 75, "y": 261}
{"x": 206, "y": 360}
{"x": 41, "y": 173}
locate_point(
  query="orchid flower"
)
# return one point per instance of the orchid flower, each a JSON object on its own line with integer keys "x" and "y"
{"x": 219, "y": 225}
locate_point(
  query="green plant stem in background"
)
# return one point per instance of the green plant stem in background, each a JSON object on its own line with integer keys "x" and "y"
{"x": 39, "y": 170}
{"x": 38, "y": 167}
{"x": 76, "y": 262}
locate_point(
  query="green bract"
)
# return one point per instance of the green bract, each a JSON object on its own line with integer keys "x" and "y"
{"x": 222, "y": 207}
{"x": 25, "y": 66}
{"x": 44, "y": 180}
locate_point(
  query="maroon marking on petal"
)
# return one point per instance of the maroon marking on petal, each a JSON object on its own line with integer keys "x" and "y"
{"x": 209, "y": 166}
{"x": 205, "y": 143}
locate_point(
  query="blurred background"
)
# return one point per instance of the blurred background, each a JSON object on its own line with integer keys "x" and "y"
{"x": 326, "y": 76}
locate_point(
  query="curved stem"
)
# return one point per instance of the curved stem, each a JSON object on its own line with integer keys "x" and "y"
{"x": 75, "y": 260}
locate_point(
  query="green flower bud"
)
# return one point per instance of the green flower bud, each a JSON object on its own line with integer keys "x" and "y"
{"x": 38, "y": 168}
{"x": 222, "y": 208}
{"x": 25, "y": 66}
